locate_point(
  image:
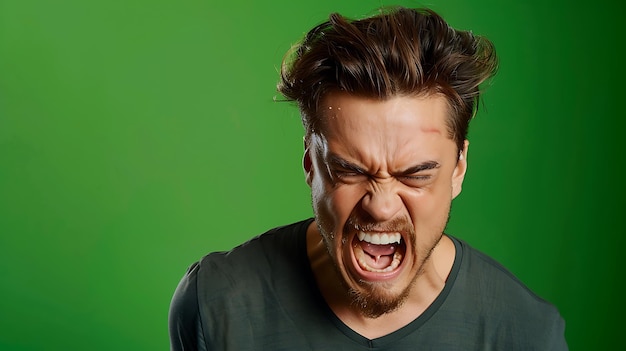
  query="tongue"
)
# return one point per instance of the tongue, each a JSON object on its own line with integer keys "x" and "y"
{"x": 378, "y": 256}
{"x": 378, "y": 250}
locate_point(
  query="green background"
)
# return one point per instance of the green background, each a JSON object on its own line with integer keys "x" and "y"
{"x": 136, "y": 136}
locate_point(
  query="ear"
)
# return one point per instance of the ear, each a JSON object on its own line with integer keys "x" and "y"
{"x": 307, "y": 164}
{"x": 458, "y": 175}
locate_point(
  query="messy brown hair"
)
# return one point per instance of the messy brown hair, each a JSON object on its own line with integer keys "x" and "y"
{"x": 397, "y": 52}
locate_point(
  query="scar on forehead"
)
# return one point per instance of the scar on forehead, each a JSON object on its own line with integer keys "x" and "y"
{"x": 430, "y": 130}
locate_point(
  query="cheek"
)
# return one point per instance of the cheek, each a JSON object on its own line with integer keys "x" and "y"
{"x": 428, "y": 208}
{"x": 344, "y": 199}
{"x": 334, "y": 205}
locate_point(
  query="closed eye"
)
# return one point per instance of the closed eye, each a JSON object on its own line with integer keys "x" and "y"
{"x": 415, "y": 181}
{"x": 418, "y": 175}
{"x": 349, "y": 176}
{"x": 345, "y": 171}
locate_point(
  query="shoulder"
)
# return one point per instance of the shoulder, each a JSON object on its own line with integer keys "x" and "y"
{"x": 249, "y": 263}
{"x": 230, "y": 279}
{"x": 263, "y": 253}
{"x": 494, "y": 281}
{"x": 505, "y": 304}
{"x": 183, "y": 318}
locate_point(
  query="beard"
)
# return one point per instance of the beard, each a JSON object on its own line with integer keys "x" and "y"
{"x": 374, "y": 299}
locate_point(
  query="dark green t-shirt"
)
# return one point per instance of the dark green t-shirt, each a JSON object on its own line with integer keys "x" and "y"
{"x": 262, "y": 296}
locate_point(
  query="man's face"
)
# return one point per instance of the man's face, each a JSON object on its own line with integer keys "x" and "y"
{"x": 382, "y": 177}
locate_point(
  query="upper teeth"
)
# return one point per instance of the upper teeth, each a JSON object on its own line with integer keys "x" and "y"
{"x": 380, "y": 239}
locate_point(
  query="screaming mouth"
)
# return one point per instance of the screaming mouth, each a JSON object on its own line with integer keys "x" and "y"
{"x": 379, "y": 252}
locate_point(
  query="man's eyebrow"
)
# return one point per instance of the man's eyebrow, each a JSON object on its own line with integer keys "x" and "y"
{"x": 424, "y": 166}
{"x": 335, "y": 160}
{"x": 338, "y": 161}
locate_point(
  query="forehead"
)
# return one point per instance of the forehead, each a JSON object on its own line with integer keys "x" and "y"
{"x": 427, "y": 111}
{"x": 342, "y": 112}
{"x": 372, "y": 129}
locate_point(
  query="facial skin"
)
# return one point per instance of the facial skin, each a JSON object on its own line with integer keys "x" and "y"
{"x": 382, "y": 167}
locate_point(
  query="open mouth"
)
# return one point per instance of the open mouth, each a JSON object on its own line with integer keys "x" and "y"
{"x": 377, "y": 252}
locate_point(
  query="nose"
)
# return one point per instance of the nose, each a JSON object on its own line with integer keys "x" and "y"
{"x": 382, "y": 202}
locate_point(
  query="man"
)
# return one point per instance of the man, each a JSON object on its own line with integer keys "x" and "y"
{"x": 386, "y": 102}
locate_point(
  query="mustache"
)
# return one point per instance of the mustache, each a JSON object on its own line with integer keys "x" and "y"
{"x": 399, "y": 224}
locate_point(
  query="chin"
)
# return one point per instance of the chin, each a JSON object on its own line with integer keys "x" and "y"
{"x": 375, "y": 299}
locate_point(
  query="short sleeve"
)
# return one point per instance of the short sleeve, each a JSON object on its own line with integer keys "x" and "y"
{"x": 184, "y": 320}
{"x": 556, "y": 339}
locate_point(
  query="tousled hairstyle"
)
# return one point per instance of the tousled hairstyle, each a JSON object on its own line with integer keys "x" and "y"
{"x": 398, "y": 52}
